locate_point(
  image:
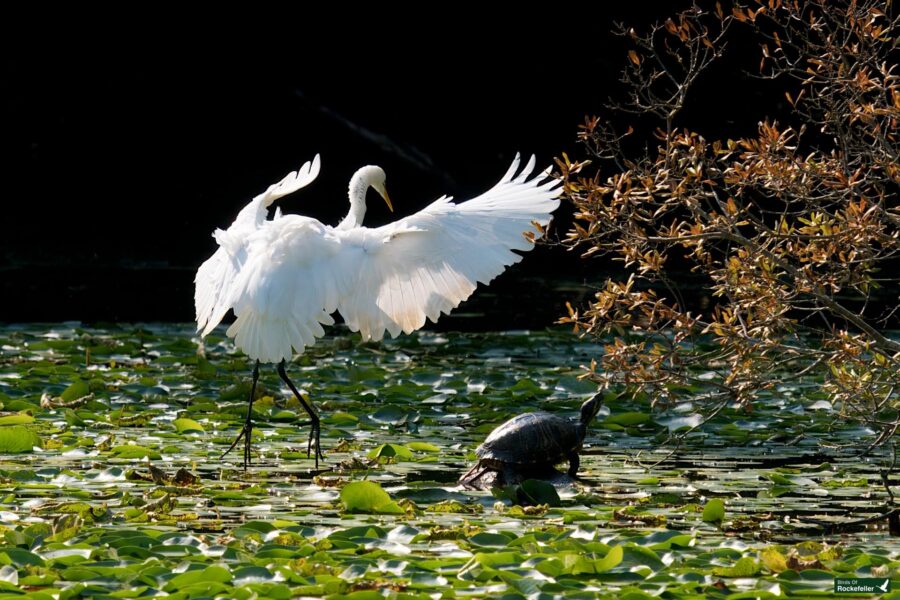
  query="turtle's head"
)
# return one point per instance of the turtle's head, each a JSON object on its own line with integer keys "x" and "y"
{"x": 590, "y": 407}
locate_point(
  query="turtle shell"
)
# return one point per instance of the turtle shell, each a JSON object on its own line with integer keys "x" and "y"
{"x": 532, "y": 438}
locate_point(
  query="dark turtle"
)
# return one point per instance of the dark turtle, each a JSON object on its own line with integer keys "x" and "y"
{"x": 532, "y": 443}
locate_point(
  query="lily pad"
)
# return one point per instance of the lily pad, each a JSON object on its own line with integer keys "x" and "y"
{"x": 390, "y": 414}
{"x": 536, "y": 491}
{"x": 76, "y": 389}
{"x": 391, "y": 451}
{"x": 211, "y": 574}
{"x": 20, "y": 419}
{"x": 628, "y": 419}
{"x": 714, "y": 511}
{"x": 15, "y": 439}
{"x": 133, "y": 451}
{"x": 423, "y": 447}
{"x": 368, "y": 497}
{"x": 745, "y": 567}
{"x": 185, "y": 425}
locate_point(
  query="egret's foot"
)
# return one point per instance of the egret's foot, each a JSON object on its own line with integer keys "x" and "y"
{"x": 245, "y": 433}
{"x": 315, "y": 434}
{"x": 247, "y": 429}
{"x": 315, "y": 430}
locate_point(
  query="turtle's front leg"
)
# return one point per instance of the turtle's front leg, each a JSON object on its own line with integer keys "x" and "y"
{"x": 574, "y": 462}
{"x": 474, "y": 473}
{"x": 510, "y": 475}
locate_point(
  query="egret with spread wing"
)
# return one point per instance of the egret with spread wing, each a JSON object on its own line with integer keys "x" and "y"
{"x": 284, "y": 277}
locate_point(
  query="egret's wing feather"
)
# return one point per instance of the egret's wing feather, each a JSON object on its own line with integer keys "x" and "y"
{"x": 295, "y": 180}
{"x": 426, "y": 264}
{"x": 212, "y": 278}
{"x": 215, "y": 279}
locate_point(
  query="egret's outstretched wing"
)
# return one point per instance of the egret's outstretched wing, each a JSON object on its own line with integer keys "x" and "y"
{"x": 298, "y": 271}
{"x": 216, "y": 276}
{"x": 394, "y": 277}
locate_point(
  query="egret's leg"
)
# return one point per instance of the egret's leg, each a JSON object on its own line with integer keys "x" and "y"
{"x": 248, "y": 424}
{"x": 313, "y": 417}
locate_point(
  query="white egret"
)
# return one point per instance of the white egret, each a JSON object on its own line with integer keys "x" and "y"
{"x": 284, "y": 277}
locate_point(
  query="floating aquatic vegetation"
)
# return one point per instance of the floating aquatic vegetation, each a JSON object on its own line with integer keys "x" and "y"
{"x": 111, "y": 480}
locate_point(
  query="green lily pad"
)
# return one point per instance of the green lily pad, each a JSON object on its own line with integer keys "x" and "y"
{"x": 745, "y": 567}
{"x": 16, "y": 439}
{"x": 184, "y": 425}
{"x": 390, "y": 414}
{"x": 490, "y": 539}
{"x": 391, "y": 451}
{"x": 627, "y": 419}
{"x": 211, "y": 574}
{"x": 20, "y": 419}
{"x": 612, "y": 559}
{"x": 75, "y": 390}
{"x": 131, "y": 451}
{"x": 423, "y": 447}
{"x": 536, "y": 491}
{"x": 368, "y": 497}
{"x": 714, "y": 511}
{"x": 773, "y": 559}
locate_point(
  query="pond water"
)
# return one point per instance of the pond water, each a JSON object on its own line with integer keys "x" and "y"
{"x": 112, "y": 481}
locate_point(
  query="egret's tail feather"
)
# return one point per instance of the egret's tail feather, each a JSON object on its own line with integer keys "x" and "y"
{"x": 270, "y": 339}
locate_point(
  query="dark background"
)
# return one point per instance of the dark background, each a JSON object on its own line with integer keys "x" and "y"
{"x": 122, "y": 154}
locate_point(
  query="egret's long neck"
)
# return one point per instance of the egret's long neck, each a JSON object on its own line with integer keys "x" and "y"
{"x": 359, "y": 185}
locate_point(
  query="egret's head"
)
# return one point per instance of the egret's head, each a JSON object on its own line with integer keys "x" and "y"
{"x": 375, "y": 178}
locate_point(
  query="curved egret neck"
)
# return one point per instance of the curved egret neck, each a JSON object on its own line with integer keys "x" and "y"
{"x": 360, "y": 183}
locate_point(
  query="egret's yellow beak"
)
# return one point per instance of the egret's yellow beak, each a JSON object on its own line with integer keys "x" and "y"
{"x": 387, "y": 200}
